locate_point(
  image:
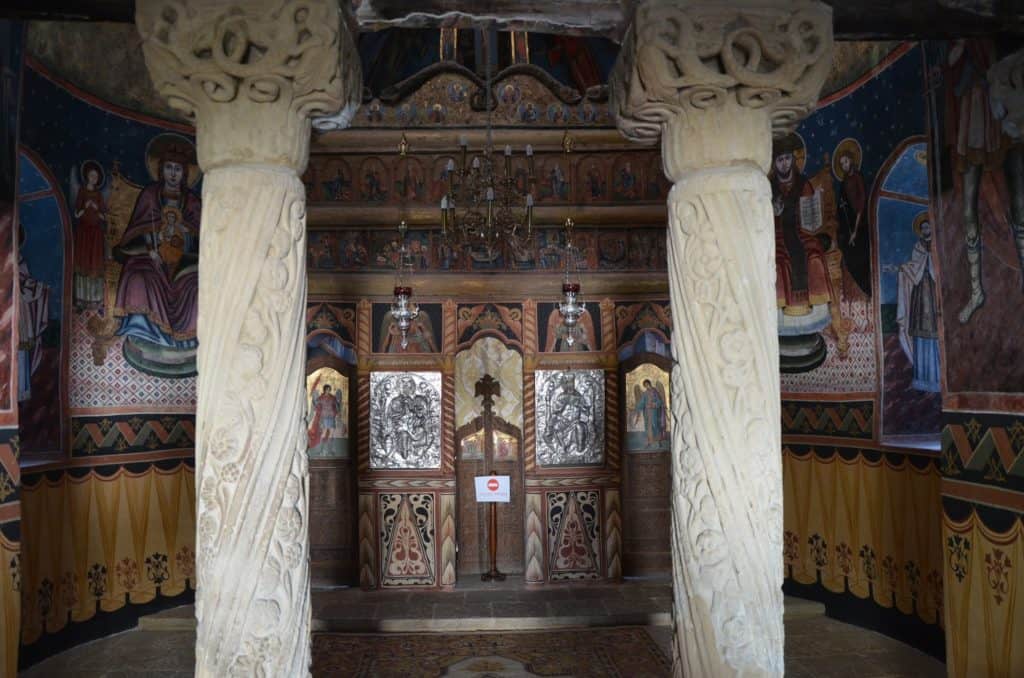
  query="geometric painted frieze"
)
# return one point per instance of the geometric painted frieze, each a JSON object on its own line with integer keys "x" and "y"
{"x": 574, "y": 535}
{"x": 570, "y": 417}
{"x": 405, "y": 420}
{"x": 984, "y": 448}
{"x": 407, "y": 539}
{"x": 850, "y": 419}
{"x": 128, "y": 433}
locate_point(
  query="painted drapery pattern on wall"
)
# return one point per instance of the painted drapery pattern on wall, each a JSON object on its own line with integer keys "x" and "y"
{"x": 862, "y": 523}
{"x": 984, "y": 578}
{"x": 97, "y": 542}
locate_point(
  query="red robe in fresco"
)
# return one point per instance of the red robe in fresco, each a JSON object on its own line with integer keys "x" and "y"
{"x": 167, "y": 295}
{"x": 801, "y": 272}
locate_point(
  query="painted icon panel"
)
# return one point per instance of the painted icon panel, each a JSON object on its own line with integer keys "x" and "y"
{"x": 327, "y": 398}
{"x": 648, "y": 413}
{"x": 570, "y": 417}
{"x": 405, "y": 420}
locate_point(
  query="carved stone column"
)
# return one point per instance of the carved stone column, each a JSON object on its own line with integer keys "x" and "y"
{"x": 1006, "y": 90}
{"x": 251, "y": 74}
{"x": 714, "y": 81}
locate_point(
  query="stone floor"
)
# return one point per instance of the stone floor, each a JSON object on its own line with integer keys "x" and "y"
{"x": 162, "y": 646}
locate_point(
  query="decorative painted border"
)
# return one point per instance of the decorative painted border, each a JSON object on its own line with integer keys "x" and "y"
{"x": 390, "y": 484}
{"x": 983, "y": 550}
{"x": 846, "y": 419}
{"x": 10, "y": 479}
{"x": 984, "y": 449}
{"x": 131, "y": 433}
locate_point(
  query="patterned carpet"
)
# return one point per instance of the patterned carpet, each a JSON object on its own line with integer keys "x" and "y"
{"x": 593, "y": 653}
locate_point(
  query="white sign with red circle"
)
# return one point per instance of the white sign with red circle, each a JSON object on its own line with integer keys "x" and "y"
{"x": 493, "y": 488}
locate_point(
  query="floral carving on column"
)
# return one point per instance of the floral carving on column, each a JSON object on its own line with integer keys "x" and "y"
{"x": 714, "y": 82}
{"x": 686, "y": 55}
{"x": 251, "y": 75}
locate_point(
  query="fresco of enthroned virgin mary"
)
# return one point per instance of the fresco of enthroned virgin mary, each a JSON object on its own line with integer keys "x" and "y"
{"x": 157, "y": 293}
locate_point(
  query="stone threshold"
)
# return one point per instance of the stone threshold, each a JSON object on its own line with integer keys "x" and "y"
{"x": 448, "y": 617}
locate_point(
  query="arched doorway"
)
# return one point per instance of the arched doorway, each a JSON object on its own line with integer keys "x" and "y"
{"x": 489, "y": 439}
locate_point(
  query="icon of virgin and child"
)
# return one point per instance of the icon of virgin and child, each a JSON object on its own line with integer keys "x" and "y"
{"x": 157, "y": 294}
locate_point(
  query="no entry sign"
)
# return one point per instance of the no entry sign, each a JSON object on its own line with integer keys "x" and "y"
{"x": 493, "y": 488}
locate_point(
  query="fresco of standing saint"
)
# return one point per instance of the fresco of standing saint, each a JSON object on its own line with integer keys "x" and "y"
{"x": 647, "y": 407}
{"x": 328, "y": 435}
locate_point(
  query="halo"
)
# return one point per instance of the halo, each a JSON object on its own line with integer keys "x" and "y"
{"x": 918, "y": 220}
{"x": 155, "y": 148}
{"x": 848, "y": 146}
{"x": 92, "y": 164}
{"x": 791, "y": 143}
{"x": 171, "y": 210}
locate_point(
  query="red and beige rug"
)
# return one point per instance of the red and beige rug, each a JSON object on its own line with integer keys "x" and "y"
{"x": 590, "y": 653}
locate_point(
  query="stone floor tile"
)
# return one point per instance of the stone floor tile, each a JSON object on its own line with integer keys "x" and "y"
{"x": 519, "y": 609}
{"x": 495, "y": 596}
{"x": 818, "y": 647}
{"x": 463, "y": 610}
{"x": 643, "y": 605}
{"x": 576, "y": 608}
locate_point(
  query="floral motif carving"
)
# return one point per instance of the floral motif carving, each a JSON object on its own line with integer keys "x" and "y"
{"x": 16, "y": 572}
{"x": 681, "y": 56}
{"x": 868, "y": 562}
{"x": 819, "y": 550}
{"x": 1006, "y": 89}
{"x": 97, "y": 577}
{"x": 997, "y": 566}
{"x": 711, "y": 80}
{"x": 844, "y": 558}
{"x": 913, "y": 573}
{"x": 252, "y": 75}
{"x": 186, "y": 561}
{"x": 45, "y": 596}
{"x": 68, "y": 590}
{"x": 260, "y": 64}
{"x": 247, "y": 413}
{"x": 790, "y": 547}
{"x": 958, "y": 550}
{"x": 156, "y": 568}
{"x": 730, "y": 402}
{"x": 128, "y": 573}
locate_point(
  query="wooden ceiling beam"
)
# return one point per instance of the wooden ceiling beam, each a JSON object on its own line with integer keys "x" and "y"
{"x": 860, "y": 20}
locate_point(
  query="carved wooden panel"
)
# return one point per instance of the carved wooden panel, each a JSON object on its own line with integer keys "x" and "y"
{"x": 574, "y": 535}
{"x": 647, "y": 485}
{"x": 332, "y": 523}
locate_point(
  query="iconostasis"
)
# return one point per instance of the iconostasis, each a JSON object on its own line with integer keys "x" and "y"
{"x": 474, "y": 392}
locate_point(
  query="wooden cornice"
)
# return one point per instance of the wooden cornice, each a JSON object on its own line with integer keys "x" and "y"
{"x": 485, "y": 286}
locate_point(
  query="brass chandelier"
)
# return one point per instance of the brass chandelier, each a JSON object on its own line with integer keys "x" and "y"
{"x": 481, "y": 209}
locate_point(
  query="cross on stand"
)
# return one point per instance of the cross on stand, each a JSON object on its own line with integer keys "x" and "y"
{"x": 488, "y": 388}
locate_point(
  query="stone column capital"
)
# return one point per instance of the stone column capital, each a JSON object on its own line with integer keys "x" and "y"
{"x": 762, "y": 62}
{"x": 1006, "y": 90}
{"x": 251, "y": 74}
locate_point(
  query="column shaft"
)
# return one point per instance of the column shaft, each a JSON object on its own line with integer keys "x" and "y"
{"x": 251, "y": 75}
{"x": 727, "y": 470}
{"x": 252, "y": 600}
{"x": 714, "y": 81}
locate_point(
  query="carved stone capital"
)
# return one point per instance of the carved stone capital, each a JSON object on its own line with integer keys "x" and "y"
{"x": 252, "y": 74}
{"x": 1006, "y": 89}
{"x": 703, "y": 70}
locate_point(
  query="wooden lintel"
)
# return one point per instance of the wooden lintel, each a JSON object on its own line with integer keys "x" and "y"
{"x": 388, "y": 216}
{"x": 485, "y": 286}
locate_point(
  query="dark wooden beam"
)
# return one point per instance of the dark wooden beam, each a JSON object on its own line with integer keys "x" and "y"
{"x": 854, "y": 20}
{"x": 69, "y": 10}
